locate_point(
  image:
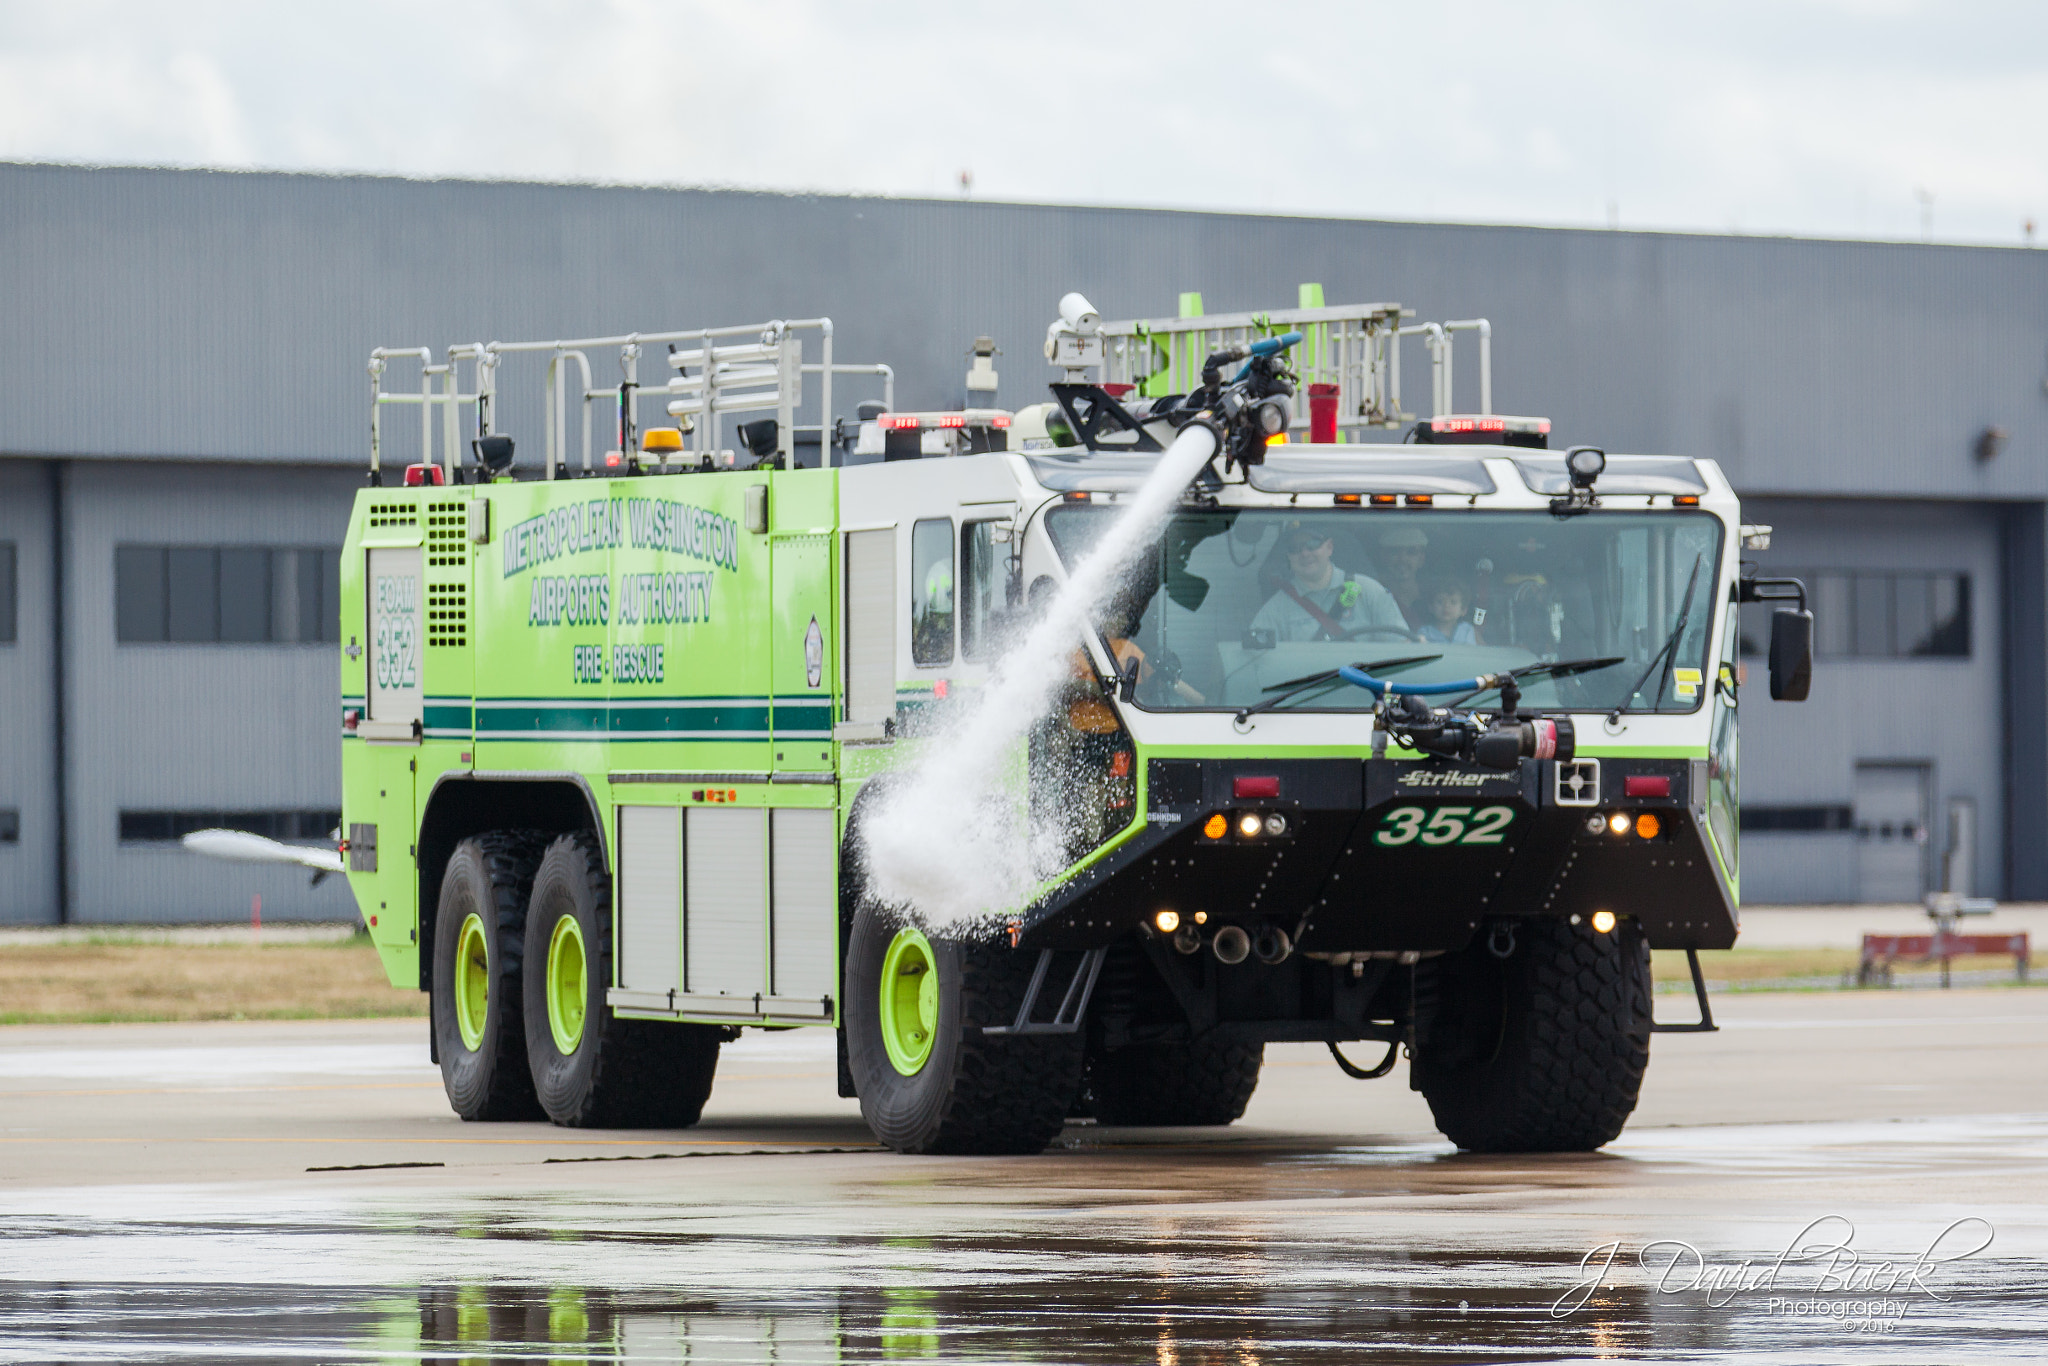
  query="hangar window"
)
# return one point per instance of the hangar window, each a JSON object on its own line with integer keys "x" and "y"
{"x": 1859, "y": 614}
{"x": 163, "y": 827}
{"x": 7, "y": 594}
{"x": 226, "y": 594}
{"x": 1805, "y": 820}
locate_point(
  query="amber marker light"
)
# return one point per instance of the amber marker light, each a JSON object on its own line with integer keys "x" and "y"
{"x": 1647, "y": 825}
{"x": 1618, "y": 822}
{"x": 1603, "y": 921}
{"x": 1166, "y": 922}
{"x": 1215, "y": 827}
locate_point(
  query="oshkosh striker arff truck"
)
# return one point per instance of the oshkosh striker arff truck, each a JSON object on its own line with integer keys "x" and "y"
{"x": 1421, "y": 744}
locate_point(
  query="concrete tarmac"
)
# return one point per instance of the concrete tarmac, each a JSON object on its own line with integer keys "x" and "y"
{"x": 301, "y": 1192}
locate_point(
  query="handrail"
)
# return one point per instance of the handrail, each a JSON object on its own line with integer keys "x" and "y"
{"x": 763, "y": 374}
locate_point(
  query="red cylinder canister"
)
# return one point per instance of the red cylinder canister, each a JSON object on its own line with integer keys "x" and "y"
{"x": 1322, "y": 413}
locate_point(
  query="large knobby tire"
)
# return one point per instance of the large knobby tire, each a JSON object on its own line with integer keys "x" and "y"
{"x": 590, "y": 1068}
{"x": 479, "y": 946}
{"x": 1543, "y": 1051}
{"x": 1208, "y": 1081}
{"x": 929, "y": 1080}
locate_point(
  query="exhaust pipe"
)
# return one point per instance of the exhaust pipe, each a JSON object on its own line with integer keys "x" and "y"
{"x": 1231, "y": 945}
{"x": 1272, "y": 945}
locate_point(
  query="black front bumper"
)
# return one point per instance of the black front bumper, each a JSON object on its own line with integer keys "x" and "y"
{"x": 1397, "y": 855}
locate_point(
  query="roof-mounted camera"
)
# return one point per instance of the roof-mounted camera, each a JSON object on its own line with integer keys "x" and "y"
{"x": 1582, "y": 465}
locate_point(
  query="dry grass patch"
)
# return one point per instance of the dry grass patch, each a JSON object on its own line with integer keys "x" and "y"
{"x": 1763, "y": 965}
{"x": 1753, "y": 965}
{"x": 104, "y": 982}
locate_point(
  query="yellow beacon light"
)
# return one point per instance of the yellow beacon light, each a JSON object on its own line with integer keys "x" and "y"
{"x": 1603, "y": 921}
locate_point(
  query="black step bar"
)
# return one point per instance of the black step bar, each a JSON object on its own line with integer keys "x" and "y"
{"x": 1706, "y": 1023}
{"x": 1073, "y": 1003}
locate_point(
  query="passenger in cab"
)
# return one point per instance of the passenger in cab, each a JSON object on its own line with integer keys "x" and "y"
{"x": 1316, "y": 600}
{"x": 1400, "y": 557}
{"x": 1446, "y": 624}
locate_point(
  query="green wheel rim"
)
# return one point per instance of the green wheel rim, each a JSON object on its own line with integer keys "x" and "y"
{"x": 472, "y": 980}
{"x": 910, "y": 1000}
{"x": 568, "y": 984}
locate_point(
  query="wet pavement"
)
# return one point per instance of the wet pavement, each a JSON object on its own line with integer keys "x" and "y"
{"x": 204, "y": 1193}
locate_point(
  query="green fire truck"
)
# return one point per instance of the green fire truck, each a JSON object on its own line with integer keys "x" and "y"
{"x": 1404, "y": 730}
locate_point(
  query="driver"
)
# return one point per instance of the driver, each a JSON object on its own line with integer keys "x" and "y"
{"x": 1318, "y": 601}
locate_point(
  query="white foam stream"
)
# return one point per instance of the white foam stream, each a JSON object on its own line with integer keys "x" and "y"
{"x": 951, "y": 838}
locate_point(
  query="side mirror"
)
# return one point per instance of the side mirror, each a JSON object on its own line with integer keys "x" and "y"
{"x": 1791, "y": 654}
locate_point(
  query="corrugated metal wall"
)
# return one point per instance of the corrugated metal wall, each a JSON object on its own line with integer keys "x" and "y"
{"x": 234, "y": 311}
{"x": 1944, "y": 713}
{"x": 28, "y": 869}
{"x": 154, "y": 315}
{"x": 195, "y": 727}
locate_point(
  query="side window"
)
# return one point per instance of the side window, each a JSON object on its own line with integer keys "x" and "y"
{"x": 984, "y": 565}
{"x": 1723, "y": 794}
{"x": 931, "y": 591}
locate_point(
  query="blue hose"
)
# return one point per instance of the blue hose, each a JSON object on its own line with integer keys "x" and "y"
{"x": 1360, "y": 678}
{"x": 1266, "y": 346}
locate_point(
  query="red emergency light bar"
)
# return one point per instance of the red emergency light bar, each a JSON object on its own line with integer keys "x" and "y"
{"x": 1459, "y": 425}
{"x": 907, "y": 422}
{"x": 1480, "y": 429}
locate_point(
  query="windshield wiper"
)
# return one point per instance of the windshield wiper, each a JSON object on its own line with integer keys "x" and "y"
{"x": 1668, "y": 649}
{"x": 1294, "y": 687}
{"x": 1563, "y": 668}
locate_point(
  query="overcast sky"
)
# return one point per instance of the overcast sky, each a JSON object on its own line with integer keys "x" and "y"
{"x": 1858, "y": 118}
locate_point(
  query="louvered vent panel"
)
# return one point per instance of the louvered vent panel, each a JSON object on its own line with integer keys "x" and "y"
{"x": 447, "y": 614}
{"x": 447, "y": 535}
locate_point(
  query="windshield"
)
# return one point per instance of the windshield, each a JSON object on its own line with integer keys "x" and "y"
{"x": 1232, "y": 604}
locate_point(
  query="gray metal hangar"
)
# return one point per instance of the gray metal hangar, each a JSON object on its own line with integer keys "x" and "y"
{"x": 184, "y": 419}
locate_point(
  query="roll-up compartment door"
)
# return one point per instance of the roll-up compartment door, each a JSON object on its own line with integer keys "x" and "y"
{"x": 871, "y": 626}
{"x": 805, "y": 900}
{"x": 648, "y": 953}
{"x": 725, "y": 899}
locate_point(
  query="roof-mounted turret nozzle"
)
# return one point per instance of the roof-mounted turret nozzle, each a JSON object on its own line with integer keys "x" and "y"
{"x": 981, "y": 372}
{"x": 1074, "y": 341}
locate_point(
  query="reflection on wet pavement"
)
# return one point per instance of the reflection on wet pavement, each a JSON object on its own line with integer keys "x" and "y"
{"x": 1190, "y": 1300}
{"x": 1157, "y": 1252}
{"x": 281, "y": 1192}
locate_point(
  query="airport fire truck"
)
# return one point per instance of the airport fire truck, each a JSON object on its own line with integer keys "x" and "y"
{"x": 1403, "y": 730}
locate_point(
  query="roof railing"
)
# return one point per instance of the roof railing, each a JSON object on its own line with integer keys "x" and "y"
{"x": 751, "y": 368}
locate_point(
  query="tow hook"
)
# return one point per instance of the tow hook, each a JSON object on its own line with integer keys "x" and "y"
{"x": 1501, "y": 943}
